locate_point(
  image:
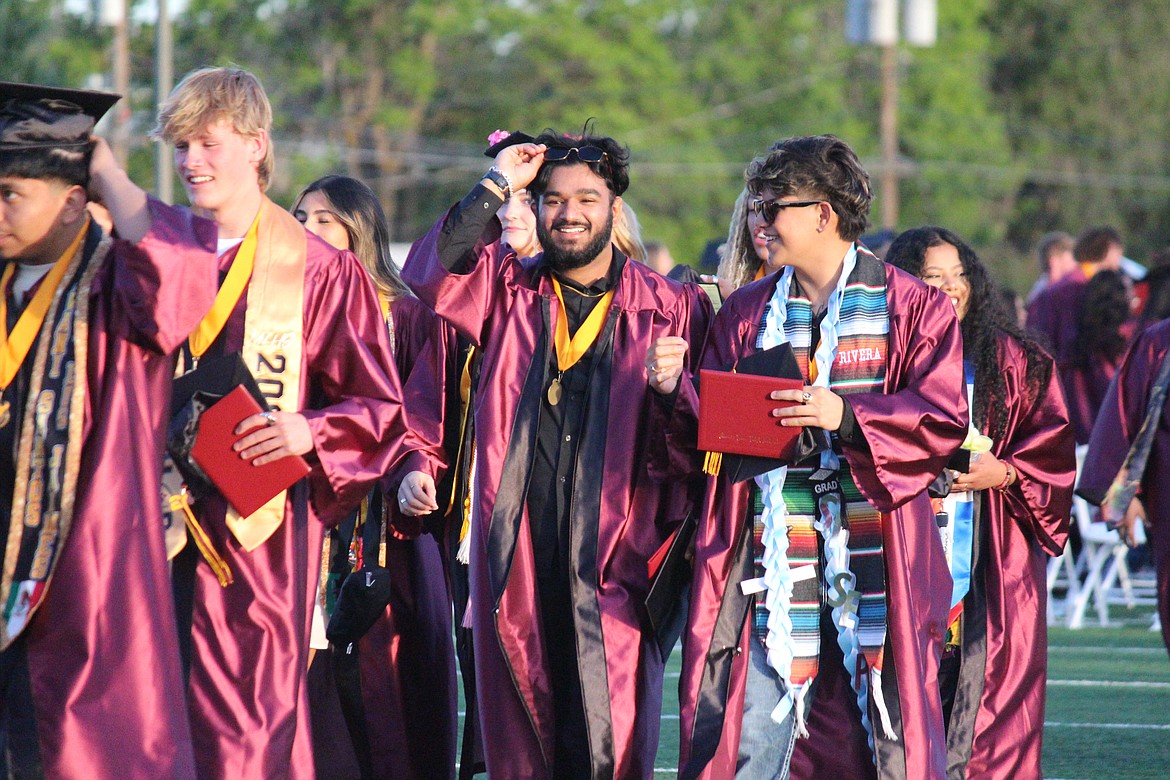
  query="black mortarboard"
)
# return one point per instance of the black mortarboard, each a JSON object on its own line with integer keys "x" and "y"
{"x": 513, "y": 139}
{"x": 38, "y": 117}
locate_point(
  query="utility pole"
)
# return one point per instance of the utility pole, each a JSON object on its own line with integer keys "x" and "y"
{"x": 120, "y": 139}
{"x": 164, "y": 173}
{"x": 875, "y": 23}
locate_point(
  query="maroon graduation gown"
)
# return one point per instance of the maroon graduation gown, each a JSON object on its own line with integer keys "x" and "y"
{"x": 996, "y": 724}
{"x": 250, "y": 640}
{"x": 1120, "y": 419}
{"x": 102, "y": 652}
{"x": 620, "y": 515}
{"x": 1054, "y": 315}
{"x": 911, "y": 429}
{"x": 407, "y": 660}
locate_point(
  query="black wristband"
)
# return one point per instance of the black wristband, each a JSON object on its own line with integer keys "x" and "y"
{"x": 498, "y": 178}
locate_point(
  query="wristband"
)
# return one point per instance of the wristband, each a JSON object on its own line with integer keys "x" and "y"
{"x": 1008, "y": 478}
{"x": 500, "y": 179}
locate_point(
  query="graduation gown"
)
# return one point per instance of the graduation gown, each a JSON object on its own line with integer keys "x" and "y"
{"x": 506, "y": 306}
{"x": 994, "y": 727}
{"x": 249, "y": 642}
{"x": 1054, "y": 316}
{"x": 910, "y": 429}
{"x": 102, "y": 656}
{"x": 1121, "y": 417}
{"x": 406, "y": 659}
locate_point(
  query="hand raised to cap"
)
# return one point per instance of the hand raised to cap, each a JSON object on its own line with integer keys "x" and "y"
{"x": 520, "y": 163}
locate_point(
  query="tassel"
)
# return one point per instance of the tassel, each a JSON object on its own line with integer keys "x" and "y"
{"x": 793, "y": 699}
{"x": 712, "y": 463}
{"x": 879, "y": 700}
{"x": 464, "y": 553}
{"x": 218, "y": 565}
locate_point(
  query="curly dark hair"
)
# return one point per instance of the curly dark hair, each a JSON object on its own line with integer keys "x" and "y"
{"x": 986, "y": 316}
{"x": 614, "y": 166}
{"x": 820, "y": 166}
{"x": 1104, "y": 309}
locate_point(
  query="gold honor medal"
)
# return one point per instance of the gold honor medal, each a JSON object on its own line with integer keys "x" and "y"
{"x": 554, "y": 393}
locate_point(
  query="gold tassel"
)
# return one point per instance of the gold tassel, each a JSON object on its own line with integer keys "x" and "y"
{"x": 218, "y": 565}
{"x": 712, "y": 463}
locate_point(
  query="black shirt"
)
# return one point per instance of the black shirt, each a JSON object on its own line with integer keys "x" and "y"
{"x": 550, "y": 489}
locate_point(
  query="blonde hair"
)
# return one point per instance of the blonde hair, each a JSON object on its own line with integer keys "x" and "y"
{"x": 206, "y": 96}
{"x": 739, "y": 263}
{"x": 627, "y": 234}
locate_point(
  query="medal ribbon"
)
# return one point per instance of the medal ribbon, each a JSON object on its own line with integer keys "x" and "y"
{"x": 229, "y": 293}
{"x": 16, "y": 345}
{"x": 569, "y": 351}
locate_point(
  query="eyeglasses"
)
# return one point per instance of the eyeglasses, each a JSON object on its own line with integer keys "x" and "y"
{"x": 768, "y": 209}
{"x": 586, "y": 154}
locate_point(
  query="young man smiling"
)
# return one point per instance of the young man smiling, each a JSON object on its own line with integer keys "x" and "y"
{"x": 566, "y": 513}
{"x": 307, "y": 322}
{"x": 90, "y": 681}
{"x": 832, "y": 672}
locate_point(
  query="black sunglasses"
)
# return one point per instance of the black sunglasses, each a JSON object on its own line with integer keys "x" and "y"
{"x": 767, "y": 210}
{"x": 586, "y": 154}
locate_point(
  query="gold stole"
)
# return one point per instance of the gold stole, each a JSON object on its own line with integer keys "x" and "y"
{"x": 273, "y": 338}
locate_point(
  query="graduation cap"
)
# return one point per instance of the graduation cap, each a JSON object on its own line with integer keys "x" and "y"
{"x": 39, "y": 117}
{"x": 511, "y": 140}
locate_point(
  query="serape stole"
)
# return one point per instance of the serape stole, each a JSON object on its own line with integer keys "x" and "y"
{"x": 850, "y": 576}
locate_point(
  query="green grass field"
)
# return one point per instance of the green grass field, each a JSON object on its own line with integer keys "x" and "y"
{"x": 1108, "y": 714}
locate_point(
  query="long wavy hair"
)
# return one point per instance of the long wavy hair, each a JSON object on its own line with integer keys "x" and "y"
{"x": 985, "y": 318}
{"x": 1104, "y": 310}
{"x": 739, "y": 263}
{"x": 358, "y": 210}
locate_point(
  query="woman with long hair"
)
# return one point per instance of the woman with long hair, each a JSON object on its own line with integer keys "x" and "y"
{"x": 745, "y": 255}
{"x": 401, "y": 711}
{"x": 1105, "y": 326}
{"x": 1010, "y": 513}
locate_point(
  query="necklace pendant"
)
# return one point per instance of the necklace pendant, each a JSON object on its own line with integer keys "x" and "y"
{"x": 5, "y": 413}
{"x": 554, "y": 392}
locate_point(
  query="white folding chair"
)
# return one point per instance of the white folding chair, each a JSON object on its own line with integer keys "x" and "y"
{"x": 1102, "y": 563}
{"x": 1062, "y": 575}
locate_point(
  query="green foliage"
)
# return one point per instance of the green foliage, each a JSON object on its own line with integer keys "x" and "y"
{"x": 1028, "y": 115}
{"x": 1082, "y": 88}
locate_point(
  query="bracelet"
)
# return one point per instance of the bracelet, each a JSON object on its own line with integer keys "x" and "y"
{"x": 1008, "y": 478}
{"x": 500, "y": 179}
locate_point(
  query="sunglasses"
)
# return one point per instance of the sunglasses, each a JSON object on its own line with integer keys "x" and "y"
{"x": 767, "y": 210}
{"x": 586, "y": 154}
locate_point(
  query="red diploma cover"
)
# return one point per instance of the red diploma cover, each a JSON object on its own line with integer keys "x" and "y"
{"x": 246, "y": 487}
{"x": 735, "y": 415}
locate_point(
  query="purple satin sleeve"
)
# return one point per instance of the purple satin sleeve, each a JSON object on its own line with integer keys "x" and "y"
{"x": 103, "y": 644}
{"x": 1122, "y": 412}
{"x": 163, "y": 285}
{"x": 466, "y": 301}
{"x": 354, "y": 401}
{"x": 421, "y": 344}
{"x": 672, "y": 451}
{"x": 915, "y": 426}
{"x": 1042, "y": 450}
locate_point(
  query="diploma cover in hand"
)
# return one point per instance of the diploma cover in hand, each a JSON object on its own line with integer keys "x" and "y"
{"x": 245, "y": 486}
{"x": 735, "y": 408}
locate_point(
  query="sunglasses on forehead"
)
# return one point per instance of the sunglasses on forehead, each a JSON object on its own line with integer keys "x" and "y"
{"x": 586, "y": 154}
{"x": 767, "y": 210}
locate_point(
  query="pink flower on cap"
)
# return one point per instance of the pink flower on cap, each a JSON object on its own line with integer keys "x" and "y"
{"x": 497, "y": 136}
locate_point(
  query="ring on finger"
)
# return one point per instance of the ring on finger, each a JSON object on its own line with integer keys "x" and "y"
{"x": 806, "y": 396}
{"x": 269, "y": 417}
